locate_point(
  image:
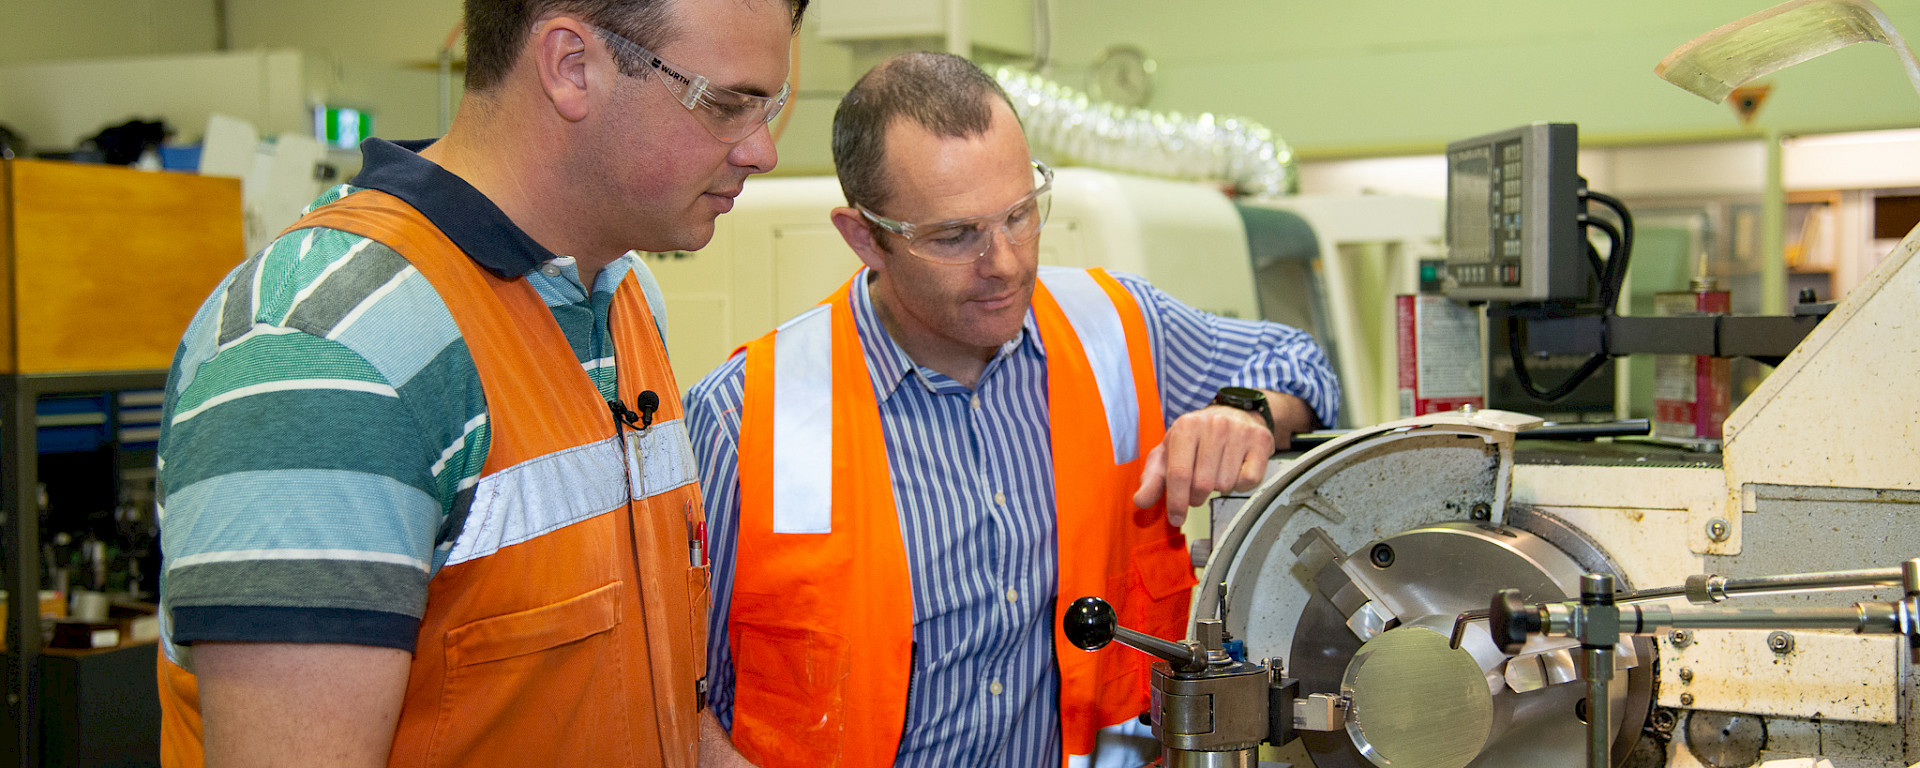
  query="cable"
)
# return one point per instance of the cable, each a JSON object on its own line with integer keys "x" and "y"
{"x": 1612, "y": 276}
{"x": 1616, "y": 262}
{"x": 1565, "y": 388}
{"x": 1599, "y": 270}
{"x": 1609, "y": 287}
{"x": 1042, "y": 37}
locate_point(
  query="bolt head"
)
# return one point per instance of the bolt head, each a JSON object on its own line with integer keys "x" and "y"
{"x": 1680, "y": 638}
{"x": 1686, "y": 674}
{"x": 1663, "y": 720}
{"x": 1719, "y": 530}
{"x": 1381, "y": 555}
{"x": 1686, "y": 699}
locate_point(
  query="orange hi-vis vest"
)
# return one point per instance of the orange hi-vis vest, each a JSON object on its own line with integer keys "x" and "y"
{"x": 821, "y": 626}
{"x": 568, "y": 625}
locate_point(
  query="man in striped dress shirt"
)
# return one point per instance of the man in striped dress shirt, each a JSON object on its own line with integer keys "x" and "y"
{"x": 899, "y": 503}
{"x": 409, "y": 516}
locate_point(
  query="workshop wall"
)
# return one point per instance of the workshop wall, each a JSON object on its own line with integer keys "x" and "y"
{"x": 1395, "y": 77}
{"x": 1335, "y": 79}
{"x": 43, "y": 30}
{"x": 402, "y": 33}
{"x": 1400, "y": 76}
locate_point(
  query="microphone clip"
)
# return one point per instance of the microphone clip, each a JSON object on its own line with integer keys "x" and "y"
{"x": 624, "y": 416}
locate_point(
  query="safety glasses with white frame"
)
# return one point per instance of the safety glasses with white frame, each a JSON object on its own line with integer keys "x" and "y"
{"x": 731, "y": 116}
{"x": 963, "y": 241}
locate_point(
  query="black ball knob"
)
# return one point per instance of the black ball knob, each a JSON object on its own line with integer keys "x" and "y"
{"x": 1511, "y": 620}
{"x": 1089, "y": 623}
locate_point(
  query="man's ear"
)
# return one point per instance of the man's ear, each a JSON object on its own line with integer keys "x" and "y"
{"x": 860, "y": 237}
{"x": 559, "y": 51}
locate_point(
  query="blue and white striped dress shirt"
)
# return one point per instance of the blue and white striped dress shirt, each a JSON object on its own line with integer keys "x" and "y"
{"x": 972, "y": 480}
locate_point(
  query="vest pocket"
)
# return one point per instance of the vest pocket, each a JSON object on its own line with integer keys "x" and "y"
{"x": 549, "y": 678}
{"x": 1153, "y": 597}
{"x": 1163, "y": 569}
{"x": 1161, "y": 586}
{"x": 789, "y": 689}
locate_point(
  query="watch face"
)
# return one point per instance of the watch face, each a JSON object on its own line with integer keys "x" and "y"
{"x": 1241, "y": 397}
{"x": 1245, "y": 399}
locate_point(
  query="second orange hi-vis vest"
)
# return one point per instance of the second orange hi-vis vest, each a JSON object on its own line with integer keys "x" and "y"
{"x": 821, "y": 627}
{"x": 568, "y": 627}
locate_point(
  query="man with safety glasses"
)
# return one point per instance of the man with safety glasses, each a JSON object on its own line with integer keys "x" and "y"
{"x": 428, "y": 492}
{"x": 908, "y": 483}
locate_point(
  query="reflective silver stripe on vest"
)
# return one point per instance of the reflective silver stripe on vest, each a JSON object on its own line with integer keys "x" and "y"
{"x": 541, "y": 495}
{"x": 660, "y": 458}
{"x": 803, "y": 423}
{"x": 1095, "y": 320}
{"x": 803, "y": 396}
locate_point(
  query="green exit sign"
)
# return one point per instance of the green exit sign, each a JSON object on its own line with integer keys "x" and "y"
{"x": 342, "y": 127}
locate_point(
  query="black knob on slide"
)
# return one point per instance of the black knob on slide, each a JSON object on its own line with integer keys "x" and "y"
{"x": 1089, "y": 623}
{"x": 1511, "y": 620}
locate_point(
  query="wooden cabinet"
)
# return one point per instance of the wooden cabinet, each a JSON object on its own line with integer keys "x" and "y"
{"x": 101, "y": 270}
{"x": 103, "y": 266}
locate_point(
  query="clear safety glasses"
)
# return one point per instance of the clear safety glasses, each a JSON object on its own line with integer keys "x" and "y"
{"x": 961, "y": 241}
{"x": 728, "y": 114}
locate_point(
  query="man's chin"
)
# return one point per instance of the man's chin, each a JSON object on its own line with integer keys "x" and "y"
{"x": 692, "y": 237}
{"x": 998, "y": 328}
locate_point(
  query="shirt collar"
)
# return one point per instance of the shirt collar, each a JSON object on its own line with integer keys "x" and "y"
{"x": 890, "y": 366}
{"x": 562, "y": 286}
{"x": 460, "y": 212}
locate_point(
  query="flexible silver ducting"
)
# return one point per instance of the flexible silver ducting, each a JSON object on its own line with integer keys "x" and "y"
{"x": 1241, "y": 154}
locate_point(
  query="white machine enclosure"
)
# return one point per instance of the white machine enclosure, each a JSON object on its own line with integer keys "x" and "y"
{"x": 1820, "y": 472}
{"x": 1370, "y": 247}
{"x": 777, "y": 253}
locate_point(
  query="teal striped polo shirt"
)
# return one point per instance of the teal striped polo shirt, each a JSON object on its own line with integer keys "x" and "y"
{"x": 325, "y": 424}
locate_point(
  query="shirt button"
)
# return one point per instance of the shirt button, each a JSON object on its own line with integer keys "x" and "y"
{"x": 1013, "y": 595}
{"x": 976, "y": 402}
{"x": 995, "y": 688}
{"x": 1000, "y": 498}
{"x": 550, "y": 270}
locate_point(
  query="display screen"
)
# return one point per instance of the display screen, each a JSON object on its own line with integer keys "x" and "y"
{"x": 1512, "y": 216}
{"x": 1469, "y": 187}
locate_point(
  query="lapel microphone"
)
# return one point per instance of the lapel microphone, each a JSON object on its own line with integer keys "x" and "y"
{"x": 648, "y": 403}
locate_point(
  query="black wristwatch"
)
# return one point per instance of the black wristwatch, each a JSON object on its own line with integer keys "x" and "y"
{"x": 1245, "y": 399}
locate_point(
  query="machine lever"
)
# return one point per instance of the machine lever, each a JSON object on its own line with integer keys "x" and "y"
{"x": 1460, "y": 625}
{"x": 1090, "y": 625}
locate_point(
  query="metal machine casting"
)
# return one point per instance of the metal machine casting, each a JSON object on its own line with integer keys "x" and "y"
{"x": 1600, "y": 618}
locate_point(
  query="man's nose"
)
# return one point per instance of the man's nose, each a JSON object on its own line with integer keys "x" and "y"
{"x": 756, "y": 152}
{"x": 1002, "y": 257}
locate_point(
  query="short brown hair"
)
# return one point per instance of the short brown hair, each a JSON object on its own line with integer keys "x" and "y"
{"x": 944, "y": 93}
{"x": 496, "y": 29}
